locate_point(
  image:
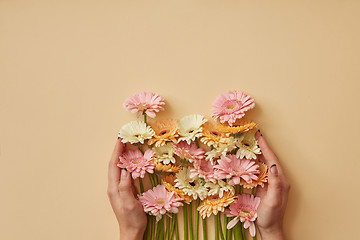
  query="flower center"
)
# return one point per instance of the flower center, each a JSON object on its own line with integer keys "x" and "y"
{"x": 231, "y": 105}
{"x": 163, "y": 132}
{"x": 142, "y": 106}
{"x": 160, "y": 202}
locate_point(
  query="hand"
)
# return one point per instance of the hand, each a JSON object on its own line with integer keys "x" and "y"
{"x": 273, "y": 196}
{"x": 128, "y": 210}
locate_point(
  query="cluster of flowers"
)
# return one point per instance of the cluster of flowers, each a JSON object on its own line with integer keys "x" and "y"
{"x": 211, "y": 162}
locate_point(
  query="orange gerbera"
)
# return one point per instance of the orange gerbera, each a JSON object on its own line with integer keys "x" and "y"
{"x": 239, "y": 127}
{"x": 165, "y": 130}
{"x": 214, "y": 204}
{"x": 168, "y": 182}
{"x": 212, "y": 136}
{"x": 166, "y": 167}
{"x": 262, "y": 177}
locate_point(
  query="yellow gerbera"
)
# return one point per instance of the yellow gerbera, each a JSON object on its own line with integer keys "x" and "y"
{"x": 166, "y": 167}
{"x": 262, "y": 177}
{"x": 212, "y": 136}
{"x": 166, "y": 130}
{"x": 214, "y": 204}
{"x": 168, "y": 182}
{"x": 239, "y": 127}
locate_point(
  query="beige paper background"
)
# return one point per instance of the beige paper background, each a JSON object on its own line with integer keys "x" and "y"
{"x": 67, "y": 66}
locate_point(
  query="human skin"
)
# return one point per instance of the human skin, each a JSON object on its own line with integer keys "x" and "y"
{"x": 132, "y": 219}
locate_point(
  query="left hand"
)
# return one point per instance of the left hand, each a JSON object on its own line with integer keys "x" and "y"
{"x": 128, "y": 210}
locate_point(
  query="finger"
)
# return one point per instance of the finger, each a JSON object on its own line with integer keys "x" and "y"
{"x": 114, "y": 171}
{"x": 125, "y": 187}
{"x": 274, "y": 184}
{"x": 269, "y": 156}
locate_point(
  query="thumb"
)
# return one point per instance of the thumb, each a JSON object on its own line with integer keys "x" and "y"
{"x": 125, "y": 186}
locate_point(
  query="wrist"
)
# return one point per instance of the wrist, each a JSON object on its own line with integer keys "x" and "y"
{"x": 275, "y": 233}
{"x": 128, "y": 234}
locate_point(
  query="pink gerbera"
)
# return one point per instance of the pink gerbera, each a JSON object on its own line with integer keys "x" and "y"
{"x": 231, "y": 106}
{"x": 230, "y": 166}
{"x": 189, "y": 151}
{"x": 159, "y": 201}
{"x": 144, "y": 102}
{"x": 137, "y": 163}
{"x": 203, "y": 169}
{"x": 244, "y": 208}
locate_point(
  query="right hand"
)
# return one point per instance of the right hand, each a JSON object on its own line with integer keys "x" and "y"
{"x": 273, "y": 196}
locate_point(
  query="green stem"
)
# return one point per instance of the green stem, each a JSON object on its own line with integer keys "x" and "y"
{"x": 190, "y": 216}
{"x": 229, "y": 234}
{"x": 241, "y": 190}
{"x": 147, "y": 233}
{"x": 220, "y": 228}
{"x": 177, "y": 228}
{"x": 216, "y": 227}
{"x": 253, "y": 191}
{"x": 243, "y": 231}
{"x": 152, "y": 220}
{"x": 237, "y": 231}
{"x": 204, "y": 228}
{"x": 141, "y": 185}
{"x": 225, "y": 228}
{"x": 173, "y": 221}
{"x": 161, "y": 235}
{"x": 157, "y": 230}
{"x": 167, "y": 232}
{"x": 145, "y": 117}
{"x": 186, "y": 234}
{"x": 152, "y": 180}
{"x": 197, "y": 219}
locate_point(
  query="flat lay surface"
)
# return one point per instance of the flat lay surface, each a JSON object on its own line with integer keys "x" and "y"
{"x": 66, "y": 67}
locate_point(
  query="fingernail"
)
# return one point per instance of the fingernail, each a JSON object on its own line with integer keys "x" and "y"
{"x": 273, "y": 169}
{"x": 123, "y": 173}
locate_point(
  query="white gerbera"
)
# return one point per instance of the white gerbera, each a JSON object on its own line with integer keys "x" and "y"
{"x": 191, "y": 186}
{"x": 190, "y": 127}
{"x": 165, "y": 154}
{"x": 222, "y": 149}
{"x": 219, "y": 188}
{"x": 248, "y": 146}
{"x": 135, "y": 131}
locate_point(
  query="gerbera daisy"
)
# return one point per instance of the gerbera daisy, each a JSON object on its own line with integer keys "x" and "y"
{"x": 189, "y": 151}
{"x": 244, "y": 208}
{"x": 157, "y": 201}
{"x": 165, "y": 131}
{"x": 190, "y": 127}
{"x": 169, "y": 183}
{"x": 231, "y": 106}
{"x": 203, "y": 169}
{"x": 135, "y": 131}
{"x": 137, "y": 163}
{"x": 191, "y": 186}
{"x": 238, "y": 127}
{"x": 165, "y": 154}
{"x": 144, "y": 102}
{"x": 219, "y": 188}
{"x": 166, "y": 167}
{"x": 222, "y": 149}
{"x": 215, "y": 204}
{"x": 211, "y": 136}
{"x": 262, "y": 177}
{"x": 235, "y": 168}
{"x": 248, "y": 146}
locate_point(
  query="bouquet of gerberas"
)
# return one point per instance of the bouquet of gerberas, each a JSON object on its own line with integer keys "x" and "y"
{"x": 210, "y": 163}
